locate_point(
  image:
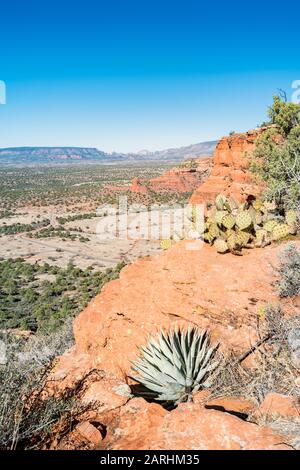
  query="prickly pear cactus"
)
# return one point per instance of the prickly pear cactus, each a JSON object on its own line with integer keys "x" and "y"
{"x": 258, "y": 218}
{"x": 228, "y": 221}
{"x": 254, "y": 223}
{"x": 291, "y": 217}
{"x": 208, "y": 238}
{"x": 229, "y": 232}
{"x": 233, "y": 243}
{"x": 219, "y": 215}
{"x": 220, "y": 245}
{"x": 243, "y": 220}
{"x": 214, "y": 230}
{"x": 270, "y": 225}
{"x": 261, "y": 234}
{"x": 166, "y": 244}
{"x": 243, "y": 237}
{"x": 257, "y": 204}
{"x": 280, "y": 231}
{"x": 220, "y": 201}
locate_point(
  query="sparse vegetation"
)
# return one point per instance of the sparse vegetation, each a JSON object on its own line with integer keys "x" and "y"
{"x": 19, "y": 228}
{"x": 26, "y": 418}
{"x": 79, "y": 186}
{"x": 289, "y": 272}
{"x": 274, "y": 369}
{"x": 59, "y": 232}
{"x": 72, "y": 218}
{"x": 40, "y": 298}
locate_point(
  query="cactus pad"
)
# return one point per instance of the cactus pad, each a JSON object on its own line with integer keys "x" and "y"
{"x": 220, "y": 201}
{"x": 219, "y": 216}
{"x": 291, "y": 217}
{"x": 220, "y": 245}
{"x": 243, "y": 220}
{"x": 166, "y": 244}
{"x": 228, "y": 221}
{"x": 280, "y": 231}
{"x": 213, "y": 230}
{"x": 270, "y": 225}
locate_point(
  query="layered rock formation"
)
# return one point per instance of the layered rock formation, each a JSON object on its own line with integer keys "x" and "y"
{"x": 137, "y": 186}
{"x": 183, "y": 179}
{"x": 230, "y": 174}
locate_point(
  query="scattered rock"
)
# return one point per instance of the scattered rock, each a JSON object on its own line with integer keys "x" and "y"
{"x": 89, "y": 432}
{"x": 233, "y": 405}
{"x": 276, "y": 404}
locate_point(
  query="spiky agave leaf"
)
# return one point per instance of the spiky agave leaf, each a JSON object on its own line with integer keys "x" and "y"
{"x": 175, "y": 364}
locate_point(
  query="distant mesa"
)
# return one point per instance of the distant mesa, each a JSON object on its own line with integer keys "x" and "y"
{"x": 144, "y": 152}
{"x": 62, "y": 155}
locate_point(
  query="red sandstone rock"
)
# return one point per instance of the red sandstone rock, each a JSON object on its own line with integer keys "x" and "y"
{"x": 223, "y": 294}
{"x": 280, "y": 405}
{"x": 201, "y": 397}
{"x": 89, "y": 432}
{"x": 232, "y": 405}
{"x": 177, "y": 286}
{"x": 145, "y": 426}
{"x": 137, "y": 186}
{"x": 182, "y": 179}
{"x": 230, "y": 174}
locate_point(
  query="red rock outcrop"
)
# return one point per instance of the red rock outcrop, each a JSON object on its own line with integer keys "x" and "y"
{"x": 137, "y": 186}
{"x": 188, "y": 284}
{"x": 233, "y": 405}
{"x": 230, "y": 174}
{"x": 183, "y": 178}
{"x": 189, "y": 427}
{"x": 177, "y": 286}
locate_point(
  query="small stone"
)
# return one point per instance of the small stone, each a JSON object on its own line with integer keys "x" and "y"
{"x": 89, "y": 432}
{"x": 280, "y": 405}
{"x": 238, "y": 405}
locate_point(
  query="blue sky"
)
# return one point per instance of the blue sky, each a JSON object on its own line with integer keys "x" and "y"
{"x": 128, "y": 75}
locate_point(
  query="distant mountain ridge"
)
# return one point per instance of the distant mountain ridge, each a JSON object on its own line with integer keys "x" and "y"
{"x": 62, "y": 155}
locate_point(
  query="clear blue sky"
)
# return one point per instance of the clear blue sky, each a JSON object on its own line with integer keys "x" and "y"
{"x": 132, "y": 75}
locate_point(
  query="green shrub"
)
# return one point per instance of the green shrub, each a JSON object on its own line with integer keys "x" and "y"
{"x": 277, "y": 155}
{"x": 29, "y": 301}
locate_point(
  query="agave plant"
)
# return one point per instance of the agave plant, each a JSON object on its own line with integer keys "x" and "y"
{"x": 175, "y": 364}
